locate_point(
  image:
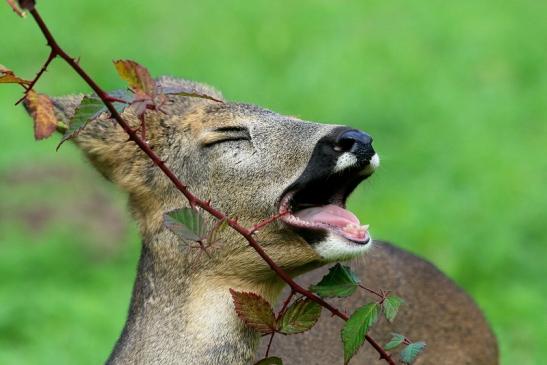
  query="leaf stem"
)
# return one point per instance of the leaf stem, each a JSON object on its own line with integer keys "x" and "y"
{"x": 269, "y": 344}
{"x": 380, "y": 295}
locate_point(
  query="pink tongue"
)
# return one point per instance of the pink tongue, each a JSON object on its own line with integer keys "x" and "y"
{"x": 330, "y": 214}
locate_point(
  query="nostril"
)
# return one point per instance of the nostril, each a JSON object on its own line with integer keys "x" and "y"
{"x": 347, "y": 140}
{"x": 344, "y": 144}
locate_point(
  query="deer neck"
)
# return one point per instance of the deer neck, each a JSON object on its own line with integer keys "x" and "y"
{"x": 177, "y": 316}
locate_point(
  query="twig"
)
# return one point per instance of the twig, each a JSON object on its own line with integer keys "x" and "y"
{"x": 192, "y": 199}
{"x": 381, "y": 295}
{"x": 279, "y": 314}
{"x": 51, "y": 57}
{"x": 269, "y": 344}
{"x": 267, "y": 221}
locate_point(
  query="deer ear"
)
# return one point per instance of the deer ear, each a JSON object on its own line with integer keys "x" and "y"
{"x": 104, "y": 143}
{"x": 65, "y": 106}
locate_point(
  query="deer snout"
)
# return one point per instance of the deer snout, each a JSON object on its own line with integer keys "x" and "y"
{"x": 356, "y": 142}
{"x": 356, "y": 149}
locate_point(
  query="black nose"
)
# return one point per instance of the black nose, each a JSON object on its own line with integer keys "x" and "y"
{"x": 354, "y": 141}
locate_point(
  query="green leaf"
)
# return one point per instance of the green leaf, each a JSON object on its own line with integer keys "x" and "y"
{"x": 187, "y": 223}
{"x": 302, "y": 315}
{"x": 391, "y": 305}
{"x": 272, "y": 360}
{"x": 411, "y": 352}
{"x": 90, "y": 108}
{"x": 255, "y": 311}
{"x": 356, "y": 327}
{"x": 395, "y": 341}
{"x": 339, "y": 282}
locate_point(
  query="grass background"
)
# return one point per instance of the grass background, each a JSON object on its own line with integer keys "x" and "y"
{"x": 453, "y": 93}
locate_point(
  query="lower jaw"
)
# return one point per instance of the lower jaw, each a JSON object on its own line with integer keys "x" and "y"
{"x": 337, "y": 248}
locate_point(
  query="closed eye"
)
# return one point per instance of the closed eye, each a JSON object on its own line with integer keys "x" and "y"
{"x": 226, "y": 134}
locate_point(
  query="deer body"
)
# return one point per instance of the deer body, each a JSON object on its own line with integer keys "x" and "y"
{"x": 252, "y": 163}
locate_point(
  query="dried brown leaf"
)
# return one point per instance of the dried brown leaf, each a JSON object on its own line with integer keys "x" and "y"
{"x": 255, "y": 311}
{"x": 137, "y": 77}
{"x": 8, "y": 77}
{"x": 41, "y": 110}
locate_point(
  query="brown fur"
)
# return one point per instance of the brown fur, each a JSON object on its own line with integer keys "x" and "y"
{"x": 181, "y": 311}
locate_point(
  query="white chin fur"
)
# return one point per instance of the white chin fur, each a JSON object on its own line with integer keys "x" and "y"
{"x": 373, "y": 165}
{"x": 336, "y": 248}
{"x": 375, "y": 161}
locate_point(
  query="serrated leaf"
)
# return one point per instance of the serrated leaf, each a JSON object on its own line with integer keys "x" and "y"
{"x": 395, "y": 341}
{"x": 255, "y": 311}
{"x": 272, "y": 360}
{"x": 90, "y": 108}
{"x": 339, "y": 282}
{"x": 187, "y": 223}
{"x": 354, "y": 330}
{"x": 40, "y": 108}
{"x": 299, "y": 317}
{"x": 122, "y": 94}
{"x": 411, "y": 352}
{"x": 391, "y": 305}
{"x": 8, "y": 77}
{"x": 137, "y": 77}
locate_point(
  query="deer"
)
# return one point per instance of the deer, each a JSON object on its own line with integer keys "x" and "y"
{"x": 252, "y": 163}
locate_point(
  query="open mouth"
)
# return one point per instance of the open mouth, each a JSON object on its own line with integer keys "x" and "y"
{"x": 320, "y": 205}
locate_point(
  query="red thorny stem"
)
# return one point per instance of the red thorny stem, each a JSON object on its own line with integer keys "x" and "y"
{"x": 57, "y": 51}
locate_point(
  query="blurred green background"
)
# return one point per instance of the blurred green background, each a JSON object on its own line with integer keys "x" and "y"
{"x": 454, "y": 94}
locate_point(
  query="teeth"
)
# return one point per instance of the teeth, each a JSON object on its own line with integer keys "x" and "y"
{"x": 356, "y": 230}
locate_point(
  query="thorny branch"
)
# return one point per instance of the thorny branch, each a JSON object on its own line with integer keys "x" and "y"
{"x": 51, "y": 57}
{"x": 248, "y": 234}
